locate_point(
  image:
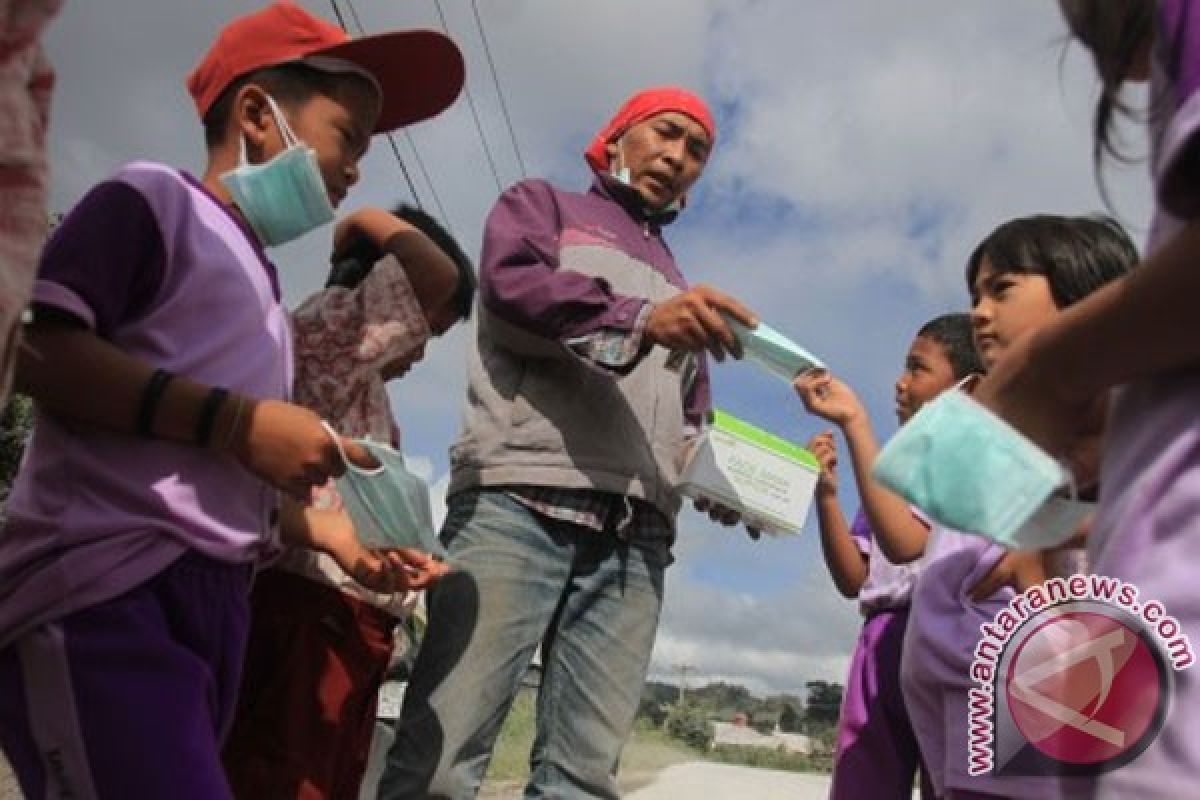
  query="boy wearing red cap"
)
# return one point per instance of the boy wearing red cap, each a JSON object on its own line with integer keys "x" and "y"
{"x": 160, "y": 359}
{"x": 583, "y": 387}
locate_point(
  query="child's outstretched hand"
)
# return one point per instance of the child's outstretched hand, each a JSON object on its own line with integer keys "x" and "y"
{"x": 824, "y": 447}
{"x": 829, "y": 398}
{"x": 384, "y": 570}
{"x": 418, "y": 569}
{"x": 286, "y": 445}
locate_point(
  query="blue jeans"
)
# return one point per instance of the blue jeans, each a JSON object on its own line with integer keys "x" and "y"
{"x": 519, "y": 580}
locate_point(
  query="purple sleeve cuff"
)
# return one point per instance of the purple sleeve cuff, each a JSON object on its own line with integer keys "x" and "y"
{"x": 860, "y": 531}
{"x": 612, "y": 347}
{"x": 48, "y": 293}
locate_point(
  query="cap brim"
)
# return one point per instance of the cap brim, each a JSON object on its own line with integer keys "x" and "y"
{"x": 420, "y": 72}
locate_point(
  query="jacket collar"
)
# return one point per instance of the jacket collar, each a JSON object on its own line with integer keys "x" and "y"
{"x": 629, "y": 199}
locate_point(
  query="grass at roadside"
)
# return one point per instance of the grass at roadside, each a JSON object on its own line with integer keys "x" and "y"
{"x": 648, "y": 751}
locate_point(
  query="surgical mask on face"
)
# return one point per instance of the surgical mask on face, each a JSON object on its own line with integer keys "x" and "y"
{"x": 972, "y": 471}
{"x": 389, "y": 505}
{"x": 773, "y": 351}
{"x": 282, "y": 198}
{"x": 623, "y": 176}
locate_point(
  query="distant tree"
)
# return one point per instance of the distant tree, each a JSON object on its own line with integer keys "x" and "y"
{"x": 824, "y": 702}
{"x": 16, "y": 423}
{"x": 790, "y": 719}
{"x": 689, "y": 725}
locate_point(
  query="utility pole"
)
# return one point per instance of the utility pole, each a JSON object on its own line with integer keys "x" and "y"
{"x": 683, "y": 670}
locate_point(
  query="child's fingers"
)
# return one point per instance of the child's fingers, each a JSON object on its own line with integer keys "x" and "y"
{"x": 357, "y": 455}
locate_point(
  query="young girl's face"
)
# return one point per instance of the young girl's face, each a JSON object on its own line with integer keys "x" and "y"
{"x": 1004, "y": 306}
{"x": 927, "y": 373}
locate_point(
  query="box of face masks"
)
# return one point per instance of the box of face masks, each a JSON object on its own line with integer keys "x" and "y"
{"x": 767, "y": 479}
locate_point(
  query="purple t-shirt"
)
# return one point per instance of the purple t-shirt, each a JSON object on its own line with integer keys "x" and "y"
{"x": 158, "y": 267}
{"x": 1147, "y": 527}
{"x": 888, "y": 585}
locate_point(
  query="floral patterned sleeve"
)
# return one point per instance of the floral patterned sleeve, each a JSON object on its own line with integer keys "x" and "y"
{"x": 344, "y": 337}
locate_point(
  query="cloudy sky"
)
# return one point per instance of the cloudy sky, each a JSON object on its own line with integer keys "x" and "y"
{"x": 864, "y": 148}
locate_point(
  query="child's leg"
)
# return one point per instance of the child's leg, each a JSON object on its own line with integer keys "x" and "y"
{"x": 129, "y": 698}
{"x": 314, "y": 663}
{"x": 876, "y": 748}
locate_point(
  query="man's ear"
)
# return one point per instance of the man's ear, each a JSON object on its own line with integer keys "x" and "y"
{"x": 253, "y": 120}
{"x": 613, "y": 150}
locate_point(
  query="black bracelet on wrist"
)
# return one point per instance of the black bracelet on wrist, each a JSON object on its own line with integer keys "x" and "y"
{"x": 208, "y": 415}
{"x": 152, "y": 394}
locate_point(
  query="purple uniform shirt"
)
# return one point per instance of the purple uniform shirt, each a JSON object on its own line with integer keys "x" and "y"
{"x": 1147, "y": 528}
{"x": 888, "y": 585}
{"x": 158, "y": 267}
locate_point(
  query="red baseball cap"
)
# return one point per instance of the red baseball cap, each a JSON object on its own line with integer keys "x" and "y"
{"x": 642, "y": 106}
{"x": 419, "y": 73}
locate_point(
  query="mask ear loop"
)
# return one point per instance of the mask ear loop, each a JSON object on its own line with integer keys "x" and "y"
{"x": 285, "y": 130}
{"x": 1070, "y": 487}
{"x": 967, "y": 384}
{"x": 337, "y": 442}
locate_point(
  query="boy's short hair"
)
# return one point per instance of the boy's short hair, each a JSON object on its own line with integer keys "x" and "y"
{"x": 953, "y": 333}
{"x": 357, "y": 261}
{"x": 290, "y": 85}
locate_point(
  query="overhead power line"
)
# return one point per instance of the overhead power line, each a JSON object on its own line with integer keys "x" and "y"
{"x": 487, "y": 51}
{"x": 487, "y": 151}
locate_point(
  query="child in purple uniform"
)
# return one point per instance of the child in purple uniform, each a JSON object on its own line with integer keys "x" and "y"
{"x": 1020, "y": 278}
{"x": 1139, "y": 334}
{"x": 160, "y": 360}
{"x": 877, "y": 754}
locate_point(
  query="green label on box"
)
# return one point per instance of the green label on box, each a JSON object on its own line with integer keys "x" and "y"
{"x": 724, "y": 421}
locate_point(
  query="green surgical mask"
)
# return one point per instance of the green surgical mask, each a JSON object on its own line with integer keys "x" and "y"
{"x": 389, "y": 505}
{"x": 773, "y": 351}
{"x": 283, "y": 198}
{"x": 970, "y": 470}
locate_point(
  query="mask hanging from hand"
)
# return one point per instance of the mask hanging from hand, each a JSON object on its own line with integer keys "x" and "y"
{"x": 388, "y": 504}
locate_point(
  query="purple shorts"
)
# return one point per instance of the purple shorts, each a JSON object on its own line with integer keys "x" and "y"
{"x": 131, "y": 697}
{"x": 877, "y": 755}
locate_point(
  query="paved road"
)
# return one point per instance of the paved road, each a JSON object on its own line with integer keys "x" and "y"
{"x": 726, "y": 782}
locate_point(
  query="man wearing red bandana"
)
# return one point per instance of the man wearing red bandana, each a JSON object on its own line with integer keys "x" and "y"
{"x": 587, "y": 381}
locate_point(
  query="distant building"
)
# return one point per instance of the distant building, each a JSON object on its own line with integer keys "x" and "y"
{"x": 733, "y": 734}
